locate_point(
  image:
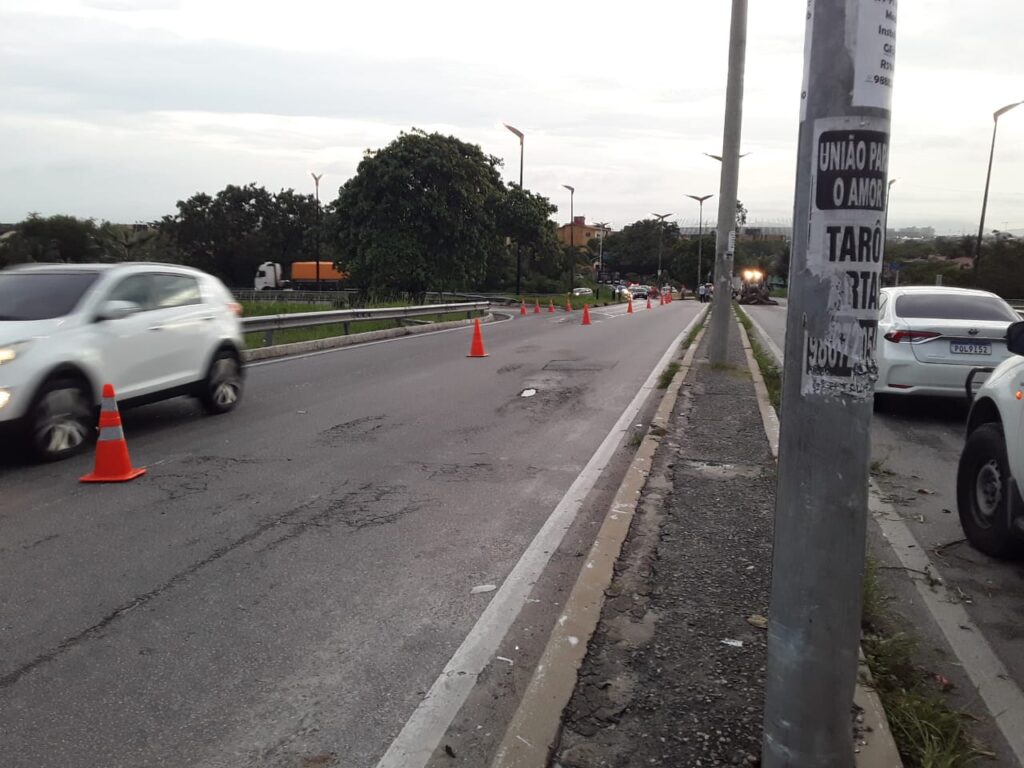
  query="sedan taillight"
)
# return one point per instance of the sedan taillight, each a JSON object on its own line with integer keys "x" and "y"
{"x": 910, "y": 336}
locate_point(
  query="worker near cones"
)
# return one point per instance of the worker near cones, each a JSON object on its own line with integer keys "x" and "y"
{"x": 113, "y": 465}
{"x": 476, "y": 349}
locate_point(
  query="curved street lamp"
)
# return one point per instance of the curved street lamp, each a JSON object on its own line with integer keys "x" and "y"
{"x": 316, "y": 239}
{"x": 661, "y": 237}
{"x": 572, "y": 235}
{"x": 519, "y": 255}
{"x": 988, "y": 178}
{"x": 700, "y": 233}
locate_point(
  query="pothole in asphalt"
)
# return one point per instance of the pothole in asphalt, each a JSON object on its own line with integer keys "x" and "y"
{"x": 530, "y": 392}
{"x": 722, "y": 471}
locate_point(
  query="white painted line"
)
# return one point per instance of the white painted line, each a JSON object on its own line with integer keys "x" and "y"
{"x": 363, "y": 345}
{"x": 430, "y": 720}
{"x": 1002, "y": 696}
{"x": 766, "y": 339}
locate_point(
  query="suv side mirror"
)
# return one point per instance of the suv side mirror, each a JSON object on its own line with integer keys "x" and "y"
{"x": 1015, "y": 338}
{"x": 115, "y": 310}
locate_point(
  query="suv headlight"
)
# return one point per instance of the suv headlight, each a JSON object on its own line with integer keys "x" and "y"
{"x": 9, "y": 352}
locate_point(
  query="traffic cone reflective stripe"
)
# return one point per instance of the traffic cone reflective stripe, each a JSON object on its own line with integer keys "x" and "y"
{"x": 586, "y": 315}
{"x": 113, "y": 464}
{"x": 476, "y": 349}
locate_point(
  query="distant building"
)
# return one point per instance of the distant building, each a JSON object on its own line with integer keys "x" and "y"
{"x": 748, "y": 233}
{"x": 580, "y": 233}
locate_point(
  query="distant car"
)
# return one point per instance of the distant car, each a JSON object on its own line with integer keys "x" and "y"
{"x": 622, "y": 292}
{"x": 582, "y": 292}
{"x": 152, "y": 330}
{"x": 640, "y": 291}
{"x": 929, "y": 338}
{"x": 666, "y": 289}
{"x": 991, "y": 468}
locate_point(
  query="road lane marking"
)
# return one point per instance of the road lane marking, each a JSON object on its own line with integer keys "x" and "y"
{"x": 423, "y": 731}
{"x": 1002, "y": 696}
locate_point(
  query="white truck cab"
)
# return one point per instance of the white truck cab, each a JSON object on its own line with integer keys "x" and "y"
{"x": 269, "y": 277}
{"x": 988, "y": 491}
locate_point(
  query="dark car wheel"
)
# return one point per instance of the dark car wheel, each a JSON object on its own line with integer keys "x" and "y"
{"x": 984, "y": 493}
{"x": 222, "y": 388}
{"x": 62, "y": 420}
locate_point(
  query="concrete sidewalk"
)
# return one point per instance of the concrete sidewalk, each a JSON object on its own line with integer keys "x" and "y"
{"x": 675, "y": 671}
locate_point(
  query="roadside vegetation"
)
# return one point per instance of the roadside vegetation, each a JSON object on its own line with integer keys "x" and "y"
{"x": 666, "y": 376}
{"x": 692, "y": 335}
{"x": 928, "y": 732}
{"x": 765, "y": 361}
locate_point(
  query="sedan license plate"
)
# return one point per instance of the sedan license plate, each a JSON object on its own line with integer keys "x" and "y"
{"x": 970, "y": 347}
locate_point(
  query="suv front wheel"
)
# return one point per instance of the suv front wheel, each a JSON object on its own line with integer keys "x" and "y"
{"x": 222, "y": 388}
{"x": 984, "y": 493}
{"x": 62, "y": 420}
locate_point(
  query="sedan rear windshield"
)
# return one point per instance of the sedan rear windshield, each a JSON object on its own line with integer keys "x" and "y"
{"x": 41, "y": 295}
{"x": 954, "y": 307}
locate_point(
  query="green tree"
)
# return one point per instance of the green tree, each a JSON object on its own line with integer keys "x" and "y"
{"x": 741, "y": 214}
{"x": 525, "y": 219}
{"x": 634, "y": 250}
{"x": 422, "y": 213}
{"x": 53, "y": 239}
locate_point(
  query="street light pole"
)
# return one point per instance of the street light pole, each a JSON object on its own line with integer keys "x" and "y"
{"x": 316, "y": 238}
{"x": 572, "y": 235}
{"x": 721, "y": 308}
{"x": 700, "y": 234}
{"x": 519, "y": 255}
{"x": 988, "y": 178}
{"x": 661, "y": 238}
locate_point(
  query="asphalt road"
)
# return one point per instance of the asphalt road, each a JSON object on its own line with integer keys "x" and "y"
{"x": 916, "y": 445}
{"x": 288, "y": 580}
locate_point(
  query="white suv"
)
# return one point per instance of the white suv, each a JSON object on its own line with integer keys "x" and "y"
{"x": 988, "y": 492}
{"x": 152, "y": 330}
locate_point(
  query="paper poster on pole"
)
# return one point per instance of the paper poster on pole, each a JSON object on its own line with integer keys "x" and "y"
{"x": 845, "y": 245}
{"x": 874, "y": 60}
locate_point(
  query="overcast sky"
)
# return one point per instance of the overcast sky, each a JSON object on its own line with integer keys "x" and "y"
{"x": 116, "y": 109}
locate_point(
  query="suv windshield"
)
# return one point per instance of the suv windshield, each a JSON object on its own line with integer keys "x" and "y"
{"x": 41, "y": 295}
{"x": 944, "y": 306}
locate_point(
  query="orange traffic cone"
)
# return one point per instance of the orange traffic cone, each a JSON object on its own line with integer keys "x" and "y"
{"x": 568, "y": 306}
{"x": 113, "y": 465}
{"x": 586, "y": 315}
{"x": 661, "y": 299}
{"x": 536, "y": 307}
{"x": 522, "y": 309}
{"x": 648, "y": 302}
{"x": 476, "y": 349}
{"x": 551, "y": 305}
{"x": 629, "y": 309}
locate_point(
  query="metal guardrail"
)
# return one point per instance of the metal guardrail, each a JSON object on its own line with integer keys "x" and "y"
{"x": 270, "y": 323}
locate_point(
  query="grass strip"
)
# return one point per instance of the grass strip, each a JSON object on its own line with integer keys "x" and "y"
{"x": 928, "y": 732}
{"x": 769, "y": 369}
{"x": 666, "y": 376}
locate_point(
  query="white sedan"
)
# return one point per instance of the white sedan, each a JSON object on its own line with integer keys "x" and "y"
{"x": 929, "y": 338}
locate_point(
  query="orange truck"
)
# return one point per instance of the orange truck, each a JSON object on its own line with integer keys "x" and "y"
{"x": 270, "y": 277}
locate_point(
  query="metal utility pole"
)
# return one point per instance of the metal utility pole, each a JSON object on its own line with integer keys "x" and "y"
{"x": 661, "y": 239}
{"x": 721, "y": 308}
{"x": 988, "y": 178}
{"x": 519, "y": 255}
{"x": 600, "y": 254}
{"x": 832, "y": 322}
{"x": 700, "y": 235}
{"x": 316, "y": 238}
{"x": 572, "y": 236}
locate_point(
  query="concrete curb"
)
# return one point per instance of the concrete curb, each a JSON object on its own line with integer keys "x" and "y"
{"x": 533, "y": 731}
{"x": 876, "y": 748}
{"x": 334, "y": 342}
